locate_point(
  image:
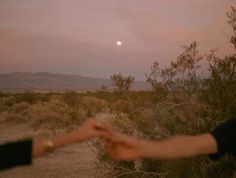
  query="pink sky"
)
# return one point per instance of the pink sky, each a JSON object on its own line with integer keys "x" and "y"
{"x": 79, "y": 36}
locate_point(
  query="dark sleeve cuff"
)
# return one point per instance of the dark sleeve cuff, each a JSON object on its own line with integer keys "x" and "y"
{"x": 216, "y": 156}
{"x": 225, "y": 136}
{"x": 15, "y": 154}
{"x": 220, "y": 151}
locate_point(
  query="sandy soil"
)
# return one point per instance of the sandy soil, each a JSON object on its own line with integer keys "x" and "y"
{"x": 71, "y": 161}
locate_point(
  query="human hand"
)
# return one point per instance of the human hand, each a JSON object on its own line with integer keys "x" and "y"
{"x": 90, "y": 129}
{"x": 122, "y": 147}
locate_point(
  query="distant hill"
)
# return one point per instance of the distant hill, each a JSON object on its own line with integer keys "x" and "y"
{"x": 21, "y": 82}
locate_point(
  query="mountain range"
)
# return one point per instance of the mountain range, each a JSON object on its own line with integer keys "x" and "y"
{"x": 43, "y": 82}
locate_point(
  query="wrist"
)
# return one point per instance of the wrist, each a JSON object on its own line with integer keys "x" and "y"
{"x": 48, "y": 146}
{"x": 78, "y": 135}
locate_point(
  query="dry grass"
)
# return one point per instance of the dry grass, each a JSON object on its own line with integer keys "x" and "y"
{"x": 139, "y": 115}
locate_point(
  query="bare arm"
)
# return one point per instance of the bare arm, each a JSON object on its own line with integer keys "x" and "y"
{"x": 87, "y": 131}
{"x": 39, "y": 147}
{"x": 21, "y": 152}
{"x": 177, "y": 147}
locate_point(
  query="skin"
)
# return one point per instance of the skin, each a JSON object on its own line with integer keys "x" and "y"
{"x": 122, "y": 147}
{"x": 87, "y": 131}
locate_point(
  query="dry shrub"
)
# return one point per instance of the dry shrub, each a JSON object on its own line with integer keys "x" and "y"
{"x": 92, "y": 105}
{"x": 12, "y": 110}
{"x": 70, "y": 98}
{"x": 89, "y": 101}
{"x": 182, "y": 114}
{"x": 44, "y": 113}
{"x": 122, "y": 124}
{"x": 122, "y": 106}
{"x": 19, "y": 107}
{"x": 30, "y": 98}
{"x": 3, "y": 116}
{"x": 54, "y": 113}
{"x": 8, "y": 101}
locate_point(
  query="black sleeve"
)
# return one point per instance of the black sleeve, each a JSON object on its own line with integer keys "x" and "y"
{"x": 15, "y": 153}
{"x": 225, "y": 136}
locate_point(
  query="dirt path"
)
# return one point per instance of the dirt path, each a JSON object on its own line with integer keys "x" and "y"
{"x": 71, "y": 162}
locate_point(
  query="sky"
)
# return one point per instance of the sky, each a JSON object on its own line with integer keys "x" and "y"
{"x": 79, "y": 36}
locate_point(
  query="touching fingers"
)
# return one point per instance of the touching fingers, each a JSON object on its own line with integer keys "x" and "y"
{"x": 110, "y": 149}
{"x": 105, "y": 134}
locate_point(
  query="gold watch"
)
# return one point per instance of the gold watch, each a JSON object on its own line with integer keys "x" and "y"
{"x": 48, "y": 146}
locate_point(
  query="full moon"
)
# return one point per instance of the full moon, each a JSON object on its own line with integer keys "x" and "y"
{"x": 118, "y": 43}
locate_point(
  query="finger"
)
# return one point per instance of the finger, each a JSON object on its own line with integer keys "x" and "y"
{"x": 104, "y": 126}
{"x": 105, "y": 134}
{"x": 105, "y": 131}
{"x": 109, "y": 149}
{"x": 115, "y": 152}
{"x": 93, "y": 123}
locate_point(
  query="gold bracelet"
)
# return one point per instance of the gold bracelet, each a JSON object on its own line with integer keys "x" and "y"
{"x": 48, "y": 146}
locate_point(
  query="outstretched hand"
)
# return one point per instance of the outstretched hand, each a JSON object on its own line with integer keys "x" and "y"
{"x": 90, "y": 129}
{"x": 117, "y": 146}
{"x": 121, "y": 147}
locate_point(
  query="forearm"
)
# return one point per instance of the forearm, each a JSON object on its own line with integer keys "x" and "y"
{"x": 39, "y": 146}
{"x": 172, "y": 148}
{"x": 179, "y": 147}
{"x": 88, "y": 130}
